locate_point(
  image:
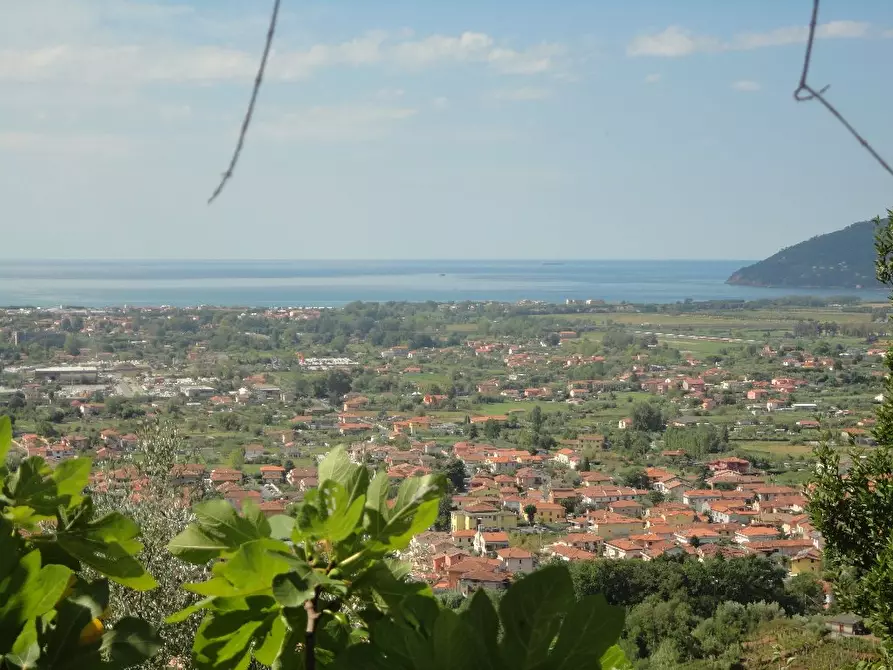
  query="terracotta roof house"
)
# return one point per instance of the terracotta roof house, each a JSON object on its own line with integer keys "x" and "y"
{"x": 490, "y": 541}
{"x": 273, "y": 507}
{"x": 567, "y": 553}
{"x": 515, "y": 560}
{"x": 622, "y": 548}
{"x": 220, "y": 475}
{"x": 755, "y": 534}
{"x": 272, "y": 473}
{"x": 481, "y": 579}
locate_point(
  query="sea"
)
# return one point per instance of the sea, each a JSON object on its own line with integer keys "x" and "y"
{"x": 332, "y": 283}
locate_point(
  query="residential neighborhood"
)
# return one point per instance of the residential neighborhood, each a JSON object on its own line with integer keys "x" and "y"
{"x": 573, "y": 434}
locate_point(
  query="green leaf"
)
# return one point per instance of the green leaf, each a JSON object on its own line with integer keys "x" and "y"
{"x": 72, "y": 476}
{"x": 45, "y": 591}
{"x": 63, "y": 646}
{"x": 5, "y": 437}
{"x": 129, "y": 643}
{"x": 309, "y": 519}
{"x": 258, "y": 520}
{"x": 338, "y": 467}
{"x": 414, "y": 511}
{"x": 194, "y": 545}
{"x": 421, "y": 612}
{"x": 377, "y": 494}
{"x": 187, "y": 612}
{"x": 27, "y": 592}
{"x": 214, "y": 587}
{"x": 252, "y": 568}
{"x": 531, "y": 612}
{"x": 614, "y": 659}
{"x": 481, "y": 616}
{"x": 32, "y": 486}
{"x": 380, "y": 580}
{"x": 281, "y": 526}
{"x": 456, "y": 645}
{"x": 332, "y": 636}
{"x": 589, "y": 630}
{"x": 269, "y": 641}
{"x": 216, "y": 632}
{"x": 341, "y": 516}
{"x": 114, "y": 527}
{"x": 26, "y": 649}
{"x": 289, "y": 655}
{"x": 291, "y": 590}
{"x": 366, "y": 656}
{"x": 223, "y": 640}
{"x": 218, "y": 529}
{"x": 17, "y": 602}
{"x": 398, "y": 642}
{"x": 109, "y": 559}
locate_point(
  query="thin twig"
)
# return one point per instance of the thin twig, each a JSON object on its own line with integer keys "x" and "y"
{"x": 806, "y": 92}
{"x": 312, "y": 607}
{"x": 247, "y": 120}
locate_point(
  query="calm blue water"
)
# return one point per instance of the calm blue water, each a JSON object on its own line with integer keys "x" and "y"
{"x": 333, "y": 283}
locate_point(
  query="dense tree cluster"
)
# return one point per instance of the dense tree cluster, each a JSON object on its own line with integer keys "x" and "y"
{"x": 682, "y": 610}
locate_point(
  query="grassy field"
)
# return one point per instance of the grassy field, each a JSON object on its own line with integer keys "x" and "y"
{"x": 512, "y": 407}
{"x": 772, "y": 448}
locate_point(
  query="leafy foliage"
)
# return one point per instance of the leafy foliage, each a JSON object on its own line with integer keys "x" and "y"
{"x": 647, "y": 417}
{"x": 854, "y": 510}
{"x": 319, "y": 590}
{"x": 160, "y": 511}
{"x": 51, "y": 614}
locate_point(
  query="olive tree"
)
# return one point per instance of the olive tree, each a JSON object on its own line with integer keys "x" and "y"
{"x": 162, "y": 510}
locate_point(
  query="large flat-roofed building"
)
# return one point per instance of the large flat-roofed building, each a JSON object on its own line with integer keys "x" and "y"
{"x": 198, "y": 392}
{"x": 68, "y": 375}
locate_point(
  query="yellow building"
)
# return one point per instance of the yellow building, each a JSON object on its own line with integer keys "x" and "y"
{"x": 485, "y": 492}
{"x": 547, "y": 512}
{"x": 464, "y": 539}
{"x": 807, "y": 561}
{"x": 608, "y": 525}
{"x": 487, "y": 517}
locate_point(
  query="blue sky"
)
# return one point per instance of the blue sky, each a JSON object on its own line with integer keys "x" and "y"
{"x": 522, "y": 129}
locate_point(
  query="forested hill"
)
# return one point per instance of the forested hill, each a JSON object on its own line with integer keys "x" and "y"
{"x": 842, "y": 259}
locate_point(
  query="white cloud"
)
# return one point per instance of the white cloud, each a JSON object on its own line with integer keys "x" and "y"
{"x": 145, "y": 11}
{"x": 56, "y": 143}
{"x": 175, "y": 112}
{"x": 345, "y": 123}
{"x": 888, "y": 33}
{"x": 676, "y": 41}
{"x": 842, "y": 29}
{"x": 440, "y": 102}
{"x": 520, "y": 94}
{"x": 125, "y": 64}
{"x": 389, "y": 93}
{"x": 652, "y": 78}
{"x": 166, "y": 62}
{"x": 746, "y": 85}
{"x": 442, "y": 48}
{"x": 541, "y": 58}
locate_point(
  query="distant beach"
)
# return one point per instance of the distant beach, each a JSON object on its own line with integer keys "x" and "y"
{"x": 335, "y": 283}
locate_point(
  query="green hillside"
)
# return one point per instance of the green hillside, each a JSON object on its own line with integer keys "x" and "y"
{"x": 842, "y": 259}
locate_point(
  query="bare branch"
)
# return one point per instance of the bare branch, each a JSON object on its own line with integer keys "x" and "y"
{"x": 806, "y": 92}
{"x": 248, "y": 114}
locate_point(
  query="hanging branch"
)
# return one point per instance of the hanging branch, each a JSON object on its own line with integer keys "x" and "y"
{"x": 247, "y": 120}
{"x": 806, "y": 92}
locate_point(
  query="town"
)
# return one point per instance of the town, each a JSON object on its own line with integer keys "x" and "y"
{"x": 574, "y": 433}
